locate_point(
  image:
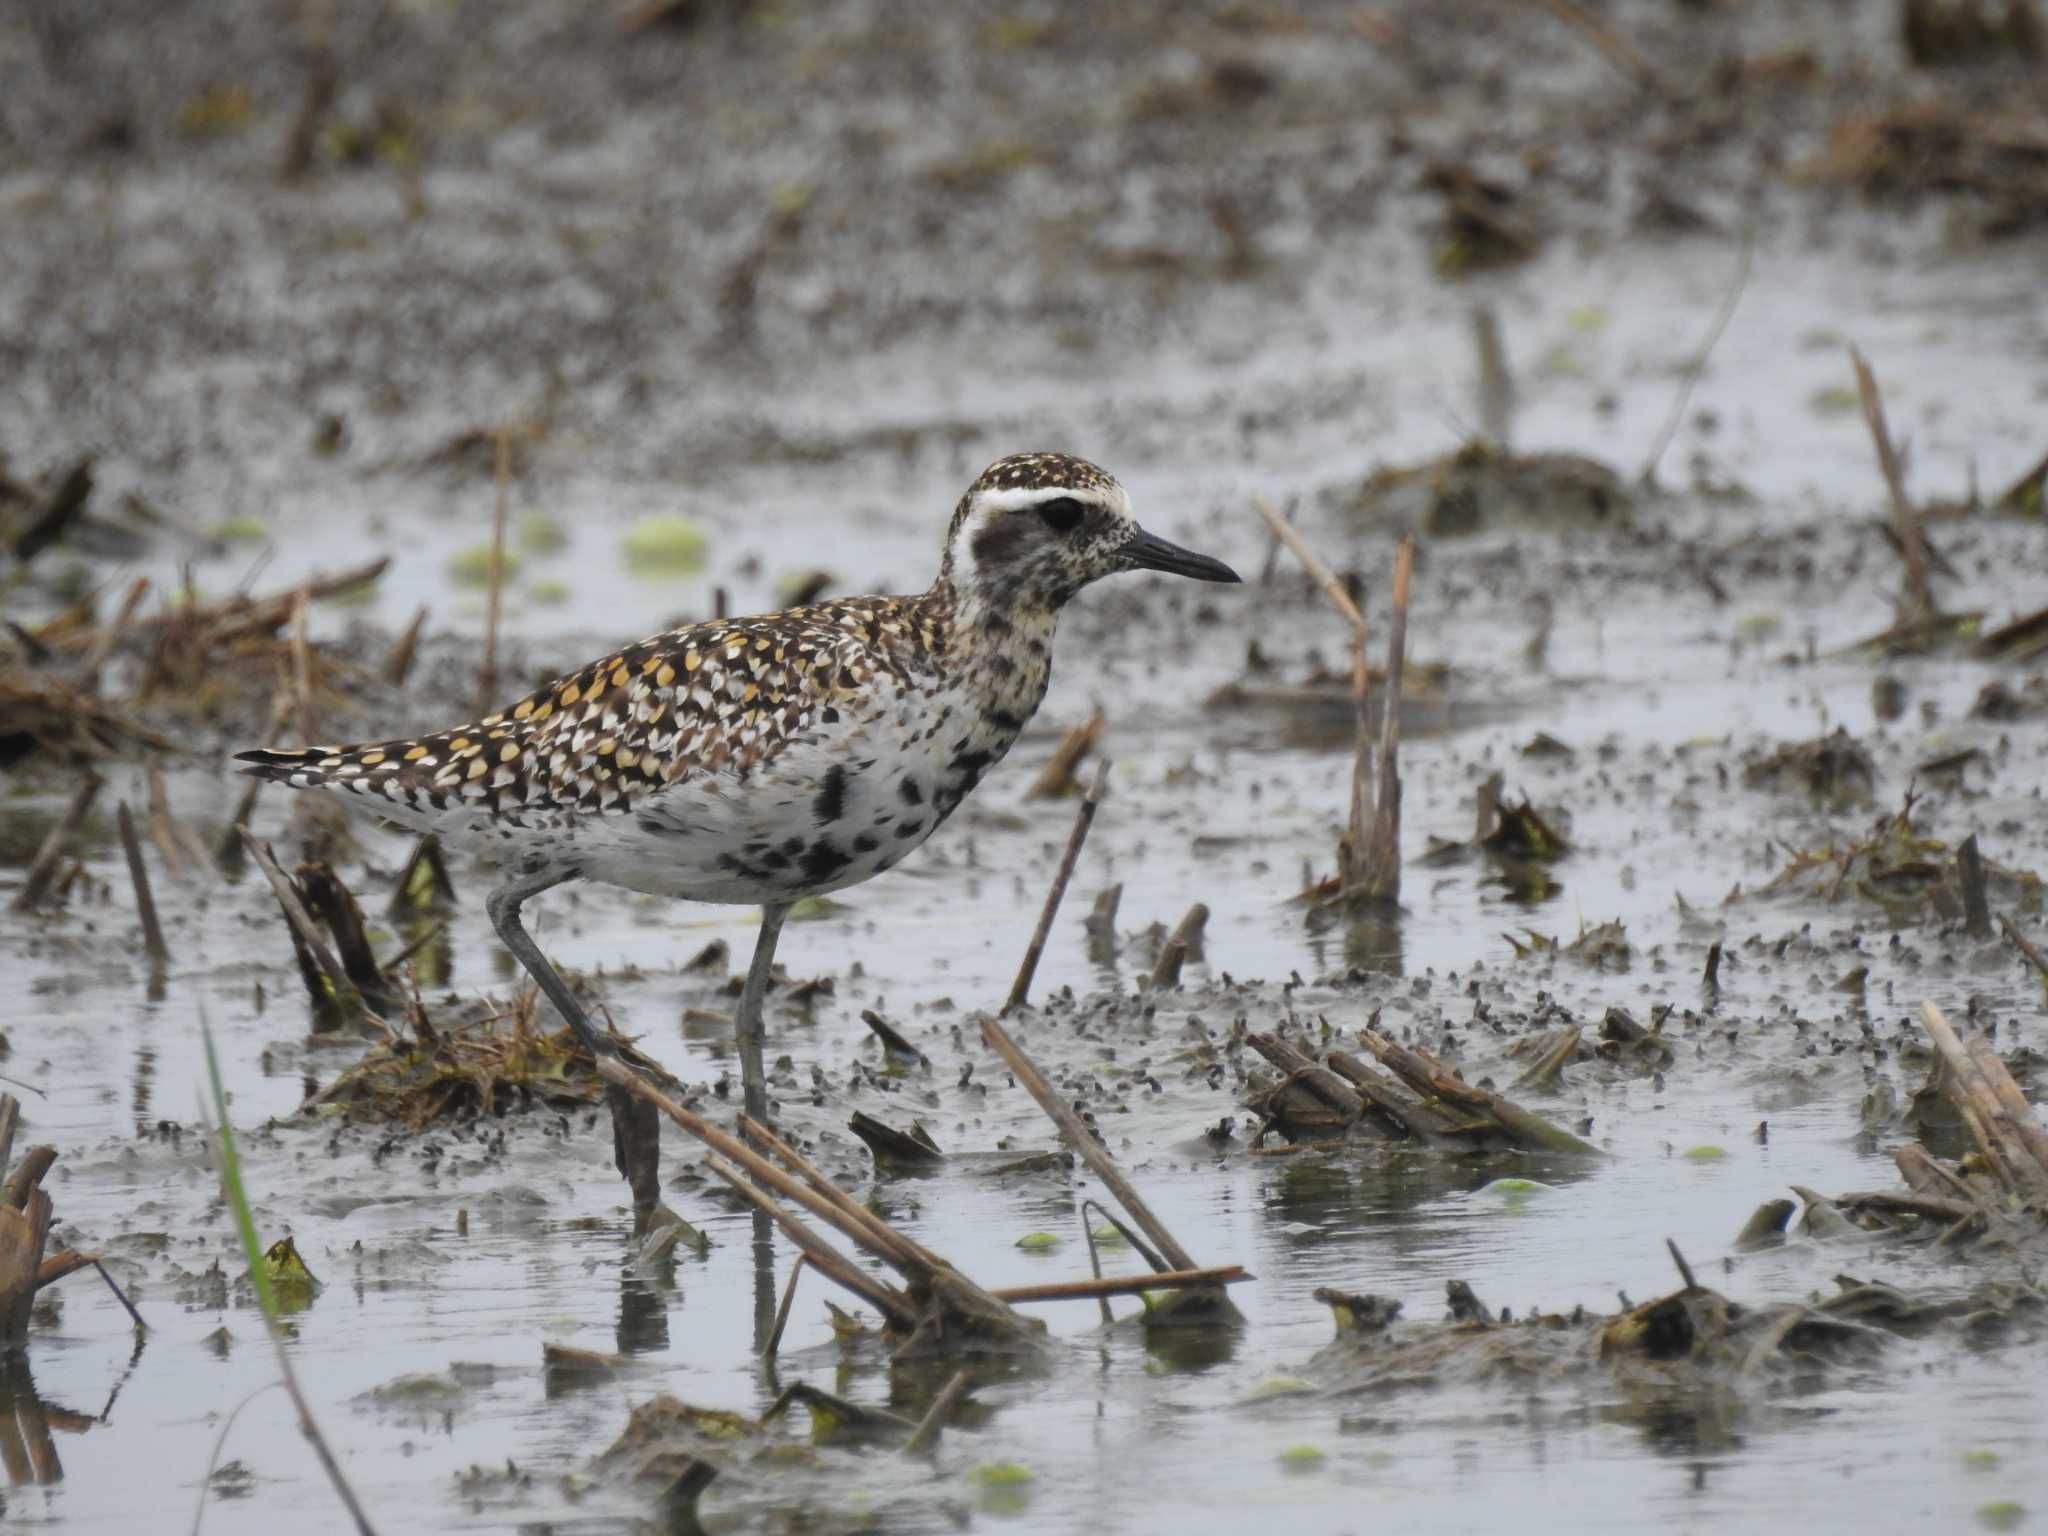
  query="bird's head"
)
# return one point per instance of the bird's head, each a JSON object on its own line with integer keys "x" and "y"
{"x": 1038, "y": 527}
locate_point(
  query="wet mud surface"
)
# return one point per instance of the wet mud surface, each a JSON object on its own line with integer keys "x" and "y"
{"x": 793, "y": 277}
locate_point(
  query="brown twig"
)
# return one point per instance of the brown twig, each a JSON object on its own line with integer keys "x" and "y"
{"x": 145, "y": 903}
{"x": 487, "y": 673}
{"x": 1020, "y": 989}
{"x": 1919, "y": 593}
{"x": 1124, "y": 1285}
{"x": 1088, "y": 1145}
{"x": 2004, "y": 1126}
{"x": 1350, "y": 851}
{"x": 1058, "y": 776}
{"x": 56, "y": 513}
{"x": 1976, "y": 902}
{"x": 768, "y": 1350}
{"x": 1381, "y": 878}
{"x": 926, "y": 1434}
{"x": 1431, "y": 1078}
{"x": 911, "y": 1257}
{"x": 2026, "y": 947}
{"x": 300, "y": 921}
{"x": 398, "y": 664}
{"x": 43, "y": 869}
{"x": 822, "y": 1256}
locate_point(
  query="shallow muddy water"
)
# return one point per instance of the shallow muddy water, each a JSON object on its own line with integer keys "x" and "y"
{"x": 1340, "y": 353}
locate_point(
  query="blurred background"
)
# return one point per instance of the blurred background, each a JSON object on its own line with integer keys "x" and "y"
{"x": 792, "y": 273}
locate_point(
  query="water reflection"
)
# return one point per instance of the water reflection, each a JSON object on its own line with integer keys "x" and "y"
{"x": 29, "y": 1427}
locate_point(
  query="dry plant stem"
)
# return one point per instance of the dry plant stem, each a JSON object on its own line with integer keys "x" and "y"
{"x": 1431, "y": 1078}
{"x": 1311, "y": 562}
{"x": 398, "y": 665}
{"x": 47, "y": 523}
{"x": 1020, "y": 989}
{"x": 759, "y": 1169}
{"x": 104, "y": 642}
{"x": 927, "y": 1433}
{"x": 1382, "y": 877}
{"x": 487, "y": 673}
{"x": 2025, "y": 946}
{"x": 36, "y": 885}
{"x": 1698, "y": 365}
{"x": 1976, "y": 902}
{"x": 1618, "y": 49}
{"x": 1124, "y": 1285}
{"x": 145, "y": 903}
{"x": 2012, "y": 1140}
{"x": 1085, "y": 1143}
{"x": 1919, "y": 595}
{"x": 910, "y": 1256}
{"x": 302, "y": 923}
{"x": 1057, "y": 777}
{"x": 774, "y": 1344}
{"x": 1351, "y": 851}
{"x": 821, "y": 1255}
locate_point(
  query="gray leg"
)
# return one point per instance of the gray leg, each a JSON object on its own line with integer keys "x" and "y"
{"x": 636, "y": 1125}
{"x": 503, "y": 905}
{"x": 747, "y": 1025}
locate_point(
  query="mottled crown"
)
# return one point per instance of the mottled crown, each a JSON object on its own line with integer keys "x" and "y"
{"x": 1042, "y": 472}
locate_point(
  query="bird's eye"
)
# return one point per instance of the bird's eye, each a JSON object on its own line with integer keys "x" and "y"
{"x": 1063, "y": 514}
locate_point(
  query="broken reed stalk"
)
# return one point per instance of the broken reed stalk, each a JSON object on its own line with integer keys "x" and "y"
{"x": 1976, "y": 899}
{"x": 398, "y": 664}
{"x": 43, "y": 869}
{"x": 1919, "y": 593}
{"x": 55, "y": 513}
{"x": 1057, "y": 777}
{"x": 110, "y": 634}
{"x": 1020, "y": 989}
{"x": 1351, "y": 851}
{"x": 821, "y": 1255}
{"x": 26, "y": 1215}
{"x": 300, "y": 921}
{"x": 1431, "y": 1078}
{"x": 259, "y": 1274}
{"x": 911, "y": 1254}
{"x": 1084, "y": 1142}
{"x": 864, "y": 1230}
{"x": 145, "y": 903}
{"x": 487, "y": 672}
{"x": 926, "y": 1434}
{"x": 1124, "y": 1285}
{"x": 2004, "y": 1125}
{"x": 1381, "y": 880}
{"x": 774, "y": 1344}
{"x": 2026, "y": 947}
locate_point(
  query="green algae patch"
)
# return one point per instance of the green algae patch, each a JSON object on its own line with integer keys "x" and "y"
{"x": 666, "y": 547}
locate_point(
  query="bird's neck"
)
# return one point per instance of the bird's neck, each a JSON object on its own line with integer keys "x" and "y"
{"x": 995, "y": 646}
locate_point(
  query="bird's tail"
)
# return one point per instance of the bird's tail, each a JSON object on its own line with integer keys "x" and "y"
{"x": 301, "y": 767}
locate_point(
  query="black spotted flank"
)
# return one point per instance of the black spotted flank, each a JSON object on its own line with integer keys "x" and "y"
{"x": 830, "y": 803}
{"x": 1004, "y": 721}
{"x": 865, "y": 844}
{"x": 909, "y": 791}
{"x": 824, "y": 859}
{"x": 909, "y": 829}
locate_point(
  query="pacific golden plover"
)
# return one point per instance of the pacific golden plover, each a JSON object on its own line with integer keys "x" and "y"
{"x": 763, "y": 760}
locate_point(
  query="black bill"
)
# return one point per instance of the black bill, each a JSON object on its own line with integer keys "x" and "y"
{"x": 1148, "y": 552}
